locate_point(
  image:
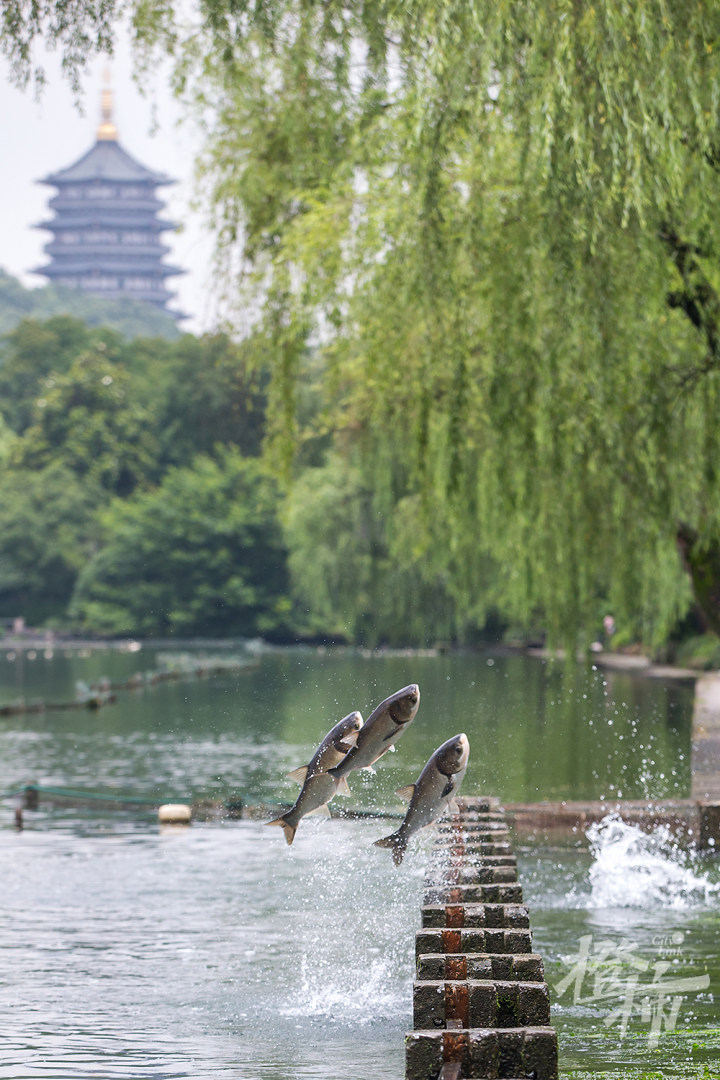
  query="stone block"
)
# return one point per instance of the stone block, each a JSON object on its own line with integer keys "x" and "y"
{"x": 465, "y": 848}
{"x": 481, "y": 804}
{"x": 473, "y": 894}
{"x": 480, "y": 1004}
{"x": 474, "y": 871}
{"x": 457, "y": 916}
{"x": 502, "y": 967}
{"x": 463, "y": 941}
{"x": 423, "y": 1055}
{"x": 485, "y": 1053}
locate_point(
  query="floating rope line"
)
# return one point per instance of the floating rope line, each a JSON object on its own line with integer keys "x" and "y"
{"x": 237, "y": 806}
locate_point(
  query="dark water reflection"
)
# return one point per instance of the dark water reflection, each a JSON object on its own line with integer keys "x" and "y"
{"x": 129, "y": 952}
{"x": 535, "y": 731}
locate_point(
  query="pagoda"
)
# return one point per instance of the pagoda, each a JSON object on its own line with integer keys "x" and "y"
{"x": 106, "y": 229}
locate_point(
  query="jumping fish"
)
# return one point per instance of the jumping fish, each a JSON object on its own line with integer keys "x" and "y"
{"x": 317, "y": 787}
{"x": 382, "y": 728}
{"x": 433, "y": 792}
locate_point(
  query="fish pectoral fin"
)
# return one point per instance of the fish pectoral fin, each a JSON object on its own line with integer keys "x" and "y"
{"x": 369, "y": 769}
{"x": 299, "y": 774}
{"x": 344, "y": 746}
{"x": 448, "y": 789}
{"x": 406, "y": 792}
{"x": 393, "y": 748}
{"x": 319, "y": 811}
{"x": 453, "y": 807}
{"x": 343, "y": 787}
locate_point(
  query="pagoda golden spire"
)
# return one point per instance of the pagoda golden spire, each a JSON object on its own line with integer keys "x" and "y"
{"x": 107, "y": 132}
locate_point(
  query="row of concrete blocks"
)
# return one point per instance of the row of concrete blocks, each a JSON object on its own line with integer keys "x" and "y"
{"x": 480, "y": 1003}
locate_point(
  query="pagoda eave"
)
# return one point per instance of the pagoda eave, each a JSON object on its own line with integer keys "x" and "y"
{"x": 107, "y": 221}
{"x": 56, "y": 269}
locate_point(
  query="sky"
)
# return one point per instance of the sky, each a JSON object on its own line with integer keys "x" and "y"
{"x": 41, "y": 136}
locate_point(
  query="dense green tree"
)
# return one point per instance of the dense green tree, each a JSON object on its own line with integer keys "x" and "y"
{"x": 36, "y": 352}
{"x": 204, "y": 393}
{"x": 97, "y": 417}
{"x": 201, "y": 554}
{"x": 48, "y": 531}
{"x": 361, "y": 576}
{"x": 88, "y": 421}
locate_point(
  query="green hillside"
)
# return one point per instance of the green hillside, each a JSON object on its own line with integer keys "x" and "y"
{"x": 131, "y": 318}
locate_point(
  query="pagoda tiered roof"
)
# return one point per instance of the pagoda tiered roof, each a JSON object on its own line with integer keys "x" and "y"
{"x": 106, "y": 226}
{"x": 107, "y": 161}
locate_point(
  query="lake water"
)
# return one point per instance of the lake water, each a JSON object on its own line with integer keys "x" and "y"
{"x": 127, "y": 951}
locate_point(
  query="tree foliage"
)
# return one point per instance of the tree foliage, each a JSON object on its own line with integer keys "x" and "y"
{"x": 35, "y": 352}
{"x": 201, "y": 554}
{"x": 364, "y": 577}
{"x": 492, "y": 226}
{"x": 48, "y": 531}
{"x": 87, "y": 420}
{"x": 125, "y": 460}
{"x": 498, "y": 219}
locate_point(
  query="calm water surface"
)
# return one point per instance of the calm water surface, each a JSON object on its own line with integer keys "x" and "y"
{"x": 217, "y": 951}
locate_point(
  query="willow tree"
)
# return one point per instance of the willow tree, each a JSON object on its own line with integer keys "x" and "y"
{"x": 496, "y": 225}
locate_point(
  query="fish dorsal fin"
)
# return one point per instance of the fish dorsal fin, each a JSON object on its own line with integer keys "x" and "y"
{"x": 343, "y": 787}
{"x": 299, "y": 774}
{"x": 320, "y": 811}
{"x": 406, "y": 792}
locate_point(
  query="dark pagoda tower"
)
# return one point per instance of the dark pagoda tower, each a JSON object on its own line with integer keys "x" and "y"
{"x": 106, "y": 229}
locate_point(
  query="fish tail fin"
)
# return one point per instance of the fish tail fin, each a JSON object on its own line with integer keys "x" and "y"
{"x": 288, "y": 829}
{"x": 397, "y": 843}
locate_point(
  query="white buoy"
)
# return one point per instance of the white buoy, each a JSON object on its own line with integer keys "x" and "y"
{"x": 174, "y": 814}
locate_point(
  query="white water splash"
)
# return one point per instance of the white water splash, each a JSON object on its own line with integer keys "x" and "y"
{"x": 347, "y": 994}
{"x": 633, "y": 868}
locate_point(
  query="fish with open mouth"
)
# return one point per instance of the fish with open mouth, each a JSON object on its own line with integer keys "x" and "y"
{"x": 318, "y": 787}
{"x": 380, "y": 731}
{"x": 432, "y": 793}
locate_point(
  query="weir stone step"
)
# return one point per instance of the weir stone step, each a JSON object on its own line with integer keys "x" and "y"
{"x": 484, "y": 1053}
{"x": 456, "y": 916}
{"x": 470, "y": 874}
{"x": 481, "y": 847}
{"x": 473, "y": 894}
{"x": 480, "y": 1004}
{"x": 482, "y": 804}
{"x": 525, "y": 967}
{"x": 473, "y": 815}
{"x": 480, "y": 825}
{"x": 473, "y": 940}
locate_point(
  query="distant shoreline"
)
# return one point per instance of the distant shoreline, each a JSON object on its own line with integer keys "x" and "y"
{"x": 632, "y": 664}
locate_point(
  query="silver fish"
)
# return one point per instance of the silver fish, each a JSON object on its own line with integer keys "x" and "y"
{"x": 433, "y": 792}
{"x": 317, "y": 787}
{"x": 382, "y": 728}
